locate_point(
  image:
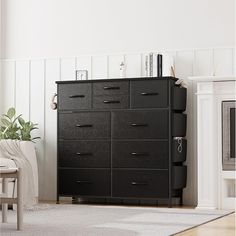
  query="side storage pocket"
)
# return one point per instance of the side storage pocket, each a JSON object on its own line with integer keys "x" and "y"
{"x": 179, "y": 96}
{"x": 179, "y": 149}
{"x": 179, "y": 124}
{"x": 179, "y": 177}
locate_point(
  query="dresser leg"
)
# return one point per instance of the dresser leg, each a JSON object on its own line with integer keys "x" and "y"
{"x": 170, "y": 203}
{"x": 58, "y": 202}
{"x": 181, "y": 199}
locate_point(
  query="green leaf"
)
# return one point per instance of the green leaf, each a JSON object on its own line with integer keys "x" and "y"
{"x": 36, "y": 138}
{"x": 16, "y": 118}
{"x": 21, "y": 121}
{"x": 5, "y": 122}
{"x": 11, "y": 112}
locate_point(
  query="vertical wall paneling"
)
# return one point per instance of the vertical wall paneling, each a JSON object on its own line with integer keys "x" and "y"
{"x": 234, "y": 61}
{"x": 114, "y": 62}
{"x": 204, "y": 63}
{"x": 133, "y": 64}
{"x": 84, "y": 63}
{"x": 184, "y": 64}
{"x": 223, "y": 61}
{"x": 8, "y": 85}
{"x": 68, "y": 68}
{"x": 52, "y": 74}
{"x": 37, "y": 79}
{"x": 37, "y": 95}
{"x": 22, "y": 88}
{"x": 99, "y": 67}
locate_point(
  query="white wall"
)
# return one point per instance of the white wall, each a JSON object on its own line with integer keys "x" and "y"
{"x": 61, "y": 28}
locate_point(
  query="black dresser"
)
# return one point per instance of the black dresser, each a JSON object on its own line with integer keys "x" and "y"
{"x": 121, "y": 138}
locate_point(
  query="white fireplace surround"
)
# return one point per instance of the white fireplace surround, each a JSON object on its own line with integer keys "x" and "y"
{"x": 216, "y": 188}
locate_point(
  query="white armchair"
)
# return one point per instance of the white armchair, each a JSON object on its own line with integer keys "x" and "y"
{"x": 28, "y": 149}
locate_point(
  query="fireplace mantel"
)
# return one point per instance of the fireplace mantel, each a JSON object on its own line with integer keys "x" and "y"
{"x": 212, "y": 78}
{"x": 214, "y": 184}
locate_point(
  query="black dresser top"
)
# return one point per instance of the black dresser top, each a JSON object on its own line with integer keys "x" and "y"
{"x": 116, "y": 79}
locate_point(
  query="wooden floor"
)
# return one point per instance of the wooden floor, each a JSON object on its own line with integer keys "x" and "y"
{"x": 224, "y": 226}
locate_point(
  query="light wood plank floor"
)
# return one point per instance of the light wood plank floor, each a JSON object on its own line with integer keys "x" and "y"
{"x": 224, "y": 226}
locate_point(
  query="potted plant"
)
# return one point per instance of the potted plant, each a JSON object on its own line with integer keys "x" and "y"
{"x": 14, "y": 129}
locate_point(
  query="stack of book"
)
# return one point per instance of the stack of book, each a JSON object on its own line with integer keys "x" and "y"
{"x": 158, "y": 65}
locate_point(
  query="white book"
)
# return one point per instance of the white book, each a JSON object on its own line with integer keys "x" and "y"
{"x": 167, "y": 63}
{"x": 154, "y": 64}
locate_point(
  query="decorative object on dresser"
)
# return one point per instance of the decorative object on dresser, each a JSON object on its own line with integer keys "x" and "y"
{"x": 81, "y": 74}
{"x": 116, "y": 139}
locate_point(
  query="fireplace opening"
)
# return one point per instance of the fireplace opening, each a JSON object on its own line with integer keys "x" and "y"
{"x": 228, "y": 131}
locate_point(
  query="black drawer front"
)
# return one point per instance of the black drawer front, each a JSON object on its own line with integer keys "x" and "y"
{"x": 140, "y": 124}
{"x": 84, "y": 182}
{"x": 149, "y": 94}
{"x": 110, "y": 88}
{"x": 74, "y": 96}
{"x": 140, "y": 154}
{"x": 84, "y": 154}
{"x": 84, "y": 125}
{"x": 111, "y": 102}
{"x": 140, "y": 183}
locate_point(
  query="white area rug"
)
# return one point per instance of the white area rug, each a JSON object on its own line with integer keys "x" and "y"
{"x": 96, "y": 220}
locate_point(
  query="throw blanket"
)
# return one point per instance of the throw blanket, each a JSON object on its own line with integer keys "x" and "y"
{"x": 11, "y": 149}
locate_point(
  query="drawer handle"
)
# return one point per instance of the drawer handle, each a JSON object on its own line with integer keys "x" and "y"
{"x": 139, "y": 154}
{"x": 84, "y": 153}
{"x": 139, "y": 125}
{"x": 110, "y": 102}
{"x": 84, "y": 126}
{"x": 77, "y": 96}
{"x": 149, "y": 94}
{"x": 111, "y": 88}
{"x": 139, "y": 183}
{"x": 83, "y": 182}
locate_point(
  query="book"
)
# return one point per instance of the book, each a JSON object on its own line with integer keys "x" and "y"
{"x": 151, "y": 64}
{"x": 159, "y": 65}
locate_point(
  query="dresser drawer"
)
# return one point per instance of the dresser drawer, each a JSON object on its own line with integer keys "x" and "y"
{"x": 84, "y": 154}
{"x": 110, "y": 102}
{"x": 140, "y": 183}
{"x": 149, "y": 94}
{"x": 84, "y": 125}
{"x": 140, "y": 154}
{"x": 140, "y": 124}
{"x": 84, "y": 182}
{"x": 110, "y": 88}
{"x": 74, "y": 96}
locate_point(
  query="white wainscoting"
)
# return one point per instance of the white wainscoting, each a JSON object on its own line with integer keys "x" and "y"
{"x": 29, "y": 84}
